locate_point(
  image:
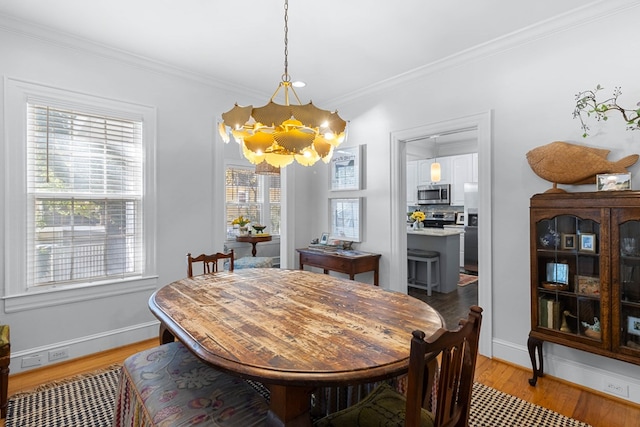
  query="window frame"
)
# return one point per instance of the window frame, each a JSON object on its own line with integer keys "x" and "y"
{"x": 16, "y": 294}
{"x": 265, "y": 204}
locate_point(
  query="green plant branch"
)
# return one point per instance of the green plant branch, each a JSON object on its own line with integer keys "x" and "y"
{"x": 586, "y": 103}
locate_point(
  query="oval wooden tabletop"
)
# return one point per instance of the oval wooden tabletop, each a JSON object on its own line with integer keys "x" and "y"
{"x": 294, "y": 327}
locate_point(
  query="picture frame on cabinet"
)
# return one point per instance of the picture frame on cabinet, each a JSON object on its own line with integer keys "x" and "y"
{"x": 324, "y": 238}
{"x": 633, "y": 325}
{"x": 345, "y": 169}
{"x": 567, "y": 241}
{"x": 587, "y": 242}
{"x": 613, "y": 182}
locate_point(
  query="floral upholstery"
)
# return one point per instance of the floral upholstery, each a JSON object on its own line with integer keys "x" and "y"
{"x": 383, "y": 403}
{"x": 169, "y": 386}
{"x": 252, "y": 262}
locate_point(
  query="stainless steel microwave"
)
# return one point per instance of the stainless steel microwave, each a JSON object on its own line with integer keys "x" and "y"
{"x": 435, "y": 194}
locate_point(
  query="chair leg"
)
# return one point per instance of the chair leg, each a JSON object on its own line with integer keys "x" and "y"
{"x": 4, "y": 385}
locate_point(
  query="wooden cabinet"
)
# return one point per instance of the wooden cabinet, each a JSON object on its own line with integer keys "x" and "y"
{"x": 585, "y": 274}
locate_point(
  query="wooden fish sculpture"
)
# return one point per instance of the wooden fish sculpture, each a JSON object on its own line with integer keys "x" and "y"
{"x": 564, "y": 163}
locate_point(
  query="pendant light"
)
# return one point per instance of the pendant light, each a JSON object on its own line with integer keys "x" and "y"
{"x": 279, "y": 134}
{"x": 435, "y": 166}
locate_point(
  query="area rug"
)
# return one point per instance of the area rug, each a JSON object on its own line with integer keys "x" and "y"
{"x": 467, "y": 279}
{"x": 88, "y": 402}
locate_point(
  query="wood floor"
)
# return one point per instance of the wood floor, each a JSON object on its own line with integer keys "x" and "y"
{"x": 596, "y": 409}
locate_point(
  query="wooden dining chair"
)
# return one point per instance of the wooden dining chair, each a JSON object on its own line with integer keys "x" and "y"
{"x": 444, "y": 404}
{"x": 209, "y": 262}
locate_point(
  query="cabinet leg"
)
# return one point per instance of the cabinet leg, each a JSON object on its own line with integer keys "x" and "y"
{"x": 535, "y": 344}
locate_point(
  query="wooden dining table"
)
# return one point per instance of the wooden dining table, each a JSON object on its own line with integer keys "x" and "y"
{"x": 293, "y": 330}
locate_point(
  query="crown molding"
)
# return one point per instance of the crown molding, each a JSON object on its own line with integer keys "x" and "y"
{"x": 575, "y": 18}
{"x": 67, "y": 41}
{"x": 578, "y": 17}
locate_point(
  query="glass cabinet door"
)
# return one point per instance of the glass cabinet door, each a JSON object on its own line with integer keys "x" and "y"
{"x": 568, "y": 276}
{"x": 626, "y": 291}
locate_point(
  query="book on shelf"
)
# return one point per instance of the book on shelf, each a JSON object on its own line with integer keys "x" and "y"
{"x": 549, "y": 312}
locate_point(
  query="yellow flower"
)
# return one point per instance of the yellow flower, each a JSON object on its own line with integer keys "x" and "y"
{"x": 418, "y": 216}
{"x": 241, "y": 221}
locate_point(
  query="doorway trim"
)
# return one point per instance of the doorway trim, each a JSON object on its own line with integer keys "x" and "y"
{"x": 398, "y": 267}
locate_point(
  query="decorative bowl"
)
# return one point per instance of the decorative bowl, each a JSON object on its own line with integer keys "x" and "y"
{"x": 259, "y": 228}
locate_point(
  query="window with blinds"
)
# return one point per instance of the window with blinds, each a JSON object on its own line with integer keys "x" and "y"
{"x": 84, "y": 196}
{"x": 256, "y": 197}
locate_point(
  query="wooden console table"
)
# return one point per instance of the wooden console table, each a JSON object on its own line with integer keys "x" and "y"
{"x": 350, "y": 265}
{"x": 254, "y": 239}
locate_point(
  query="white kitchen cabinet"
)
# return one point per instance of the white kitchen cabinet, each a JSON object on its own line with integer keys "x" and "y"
{"x": 424, "y": 171}
{"x": 474, "y": 173}
{"x": 412, "y": 182}
{"x": 461, "y": 172}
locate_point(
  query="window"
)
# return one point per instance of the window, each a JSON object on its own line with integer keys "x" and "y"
{"x": 83, "y": 169}
{"x": 256, "y": 197}
{"x": 84, "y": 192}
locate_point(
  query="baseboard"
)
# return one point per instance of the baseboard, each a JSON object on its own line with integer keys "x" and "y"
{"x": 593, "y": 377}
{"x": 82, "y": 346}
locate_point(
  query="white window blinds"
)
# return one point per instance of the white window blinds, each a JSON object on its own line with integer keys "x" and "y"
{"x": 85, "y": 189}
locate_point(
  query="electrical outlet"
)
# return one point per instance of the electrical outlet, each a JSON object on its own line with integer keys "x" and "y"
{"x": 57, "y": 354}
{"x": 29, "y": 361}
{"x": 616, "y": 387}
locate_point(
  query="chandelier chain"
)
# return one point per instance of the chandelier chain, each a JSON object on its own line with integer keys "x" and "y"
{"x": 285, "y": 76}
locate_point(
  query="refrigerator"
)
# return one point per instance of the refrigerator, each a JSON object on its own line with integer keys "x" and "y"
{"x": 471, "y": 227}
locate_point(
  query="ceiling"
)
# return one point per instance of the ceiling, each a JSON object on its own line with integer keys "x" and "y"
{"x": 336, "y": 46}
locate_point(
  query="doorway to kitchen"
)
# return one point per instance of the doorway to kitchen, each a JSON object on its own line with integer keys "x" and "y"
{"x": 481, "y": 124}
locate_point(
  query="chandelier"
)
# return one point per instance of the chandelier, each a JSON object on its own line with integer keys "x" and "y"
{"x": 279, "y": 134}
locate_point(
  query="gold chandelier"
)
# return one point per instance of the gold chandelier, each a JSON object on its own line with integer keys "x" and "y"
{"x": 279, "y": 134}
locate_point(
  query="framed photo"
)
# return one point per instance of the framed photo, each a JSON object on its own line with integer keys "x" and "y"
{"x": 587, "y": 242}
{"x": 633, "y": 325}
{"x": 324, "y": 238}
{"x": 346, "y": 168}
{"x": 613, "y": 182}
{"x": 345, "y": 219}
{"x": 459, "y": 218}
{"x": 568, "y": 241}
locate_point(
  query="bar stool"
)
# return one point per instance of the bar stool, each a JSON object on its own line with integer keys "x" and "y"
{"x": 432, "y": 258}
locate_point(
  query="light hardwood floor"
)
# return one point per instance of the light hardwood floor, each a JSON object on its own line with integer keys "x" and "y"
{"x": 596, "y": 409}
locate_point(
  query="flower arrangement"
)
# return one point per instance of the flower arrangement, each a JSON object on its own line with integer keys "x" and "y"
{"x": 418, "y": 216}
{"x": 241, "y": 221}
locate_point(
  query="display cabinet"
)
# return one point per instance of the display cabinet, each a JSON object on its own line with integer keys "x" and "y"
{"x": 585, "y": 274}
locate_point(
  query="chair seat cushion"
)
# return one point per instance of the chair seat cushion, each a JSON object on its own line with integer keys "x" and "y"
{"x": 4, "y": 340}
{"x": 169, "y": 386}
{"x": 253, "y": 262}
{"x": 384, "y": 406}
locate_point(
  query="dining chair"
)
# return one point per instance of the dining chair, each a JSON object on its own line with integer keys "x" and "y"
{"x": 5, "y": 360}
{"x": 209, "y": 262}
{"x": 435, "y": 396}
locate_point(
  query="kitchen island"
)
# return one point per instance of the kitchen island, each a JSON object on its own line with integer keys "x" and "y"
{"x": 445, "y": 241}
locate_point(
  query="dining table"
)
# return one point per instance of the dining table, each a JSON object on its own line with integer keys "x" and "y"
{"x": 293, "y": 331}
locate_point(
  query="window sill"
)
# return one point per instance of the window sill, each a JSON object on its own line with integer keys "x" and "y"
{"x": 54, "y": 296}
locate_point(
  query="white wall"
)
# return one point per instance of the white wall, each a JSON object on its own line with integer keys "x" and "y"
{"x": 186, "y": 150}
{"x": 530, "y": 88}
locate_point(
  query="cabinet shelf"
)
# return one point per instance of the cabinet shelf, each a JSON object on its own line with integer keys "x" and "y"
{"x": 590, "y": 242}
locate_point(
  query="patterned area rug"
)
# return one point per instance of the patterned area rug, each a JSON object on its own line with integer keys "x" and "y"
{"x": 467, "y": 279}
{"x": 88, "y": 402}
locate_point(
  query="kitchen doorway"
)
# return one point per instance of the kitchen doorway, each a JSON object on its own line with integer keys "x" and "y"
{"x": 481, "y": 125}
